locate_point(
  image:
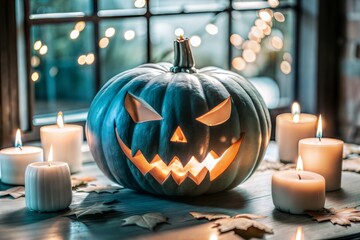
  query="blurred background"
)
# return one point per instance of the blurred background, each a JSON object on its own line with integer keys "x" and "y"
{"x": 61, "y": 52}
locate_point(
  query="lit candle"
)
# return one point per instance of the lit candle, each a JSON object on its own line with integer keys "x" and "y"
{"x": 323, "y": 156}
{"x": 66, "y": 140}
{"x": 299, "y": 234}
{"x": 290, "y": 128}
{"x": 295, "y": 191}
{"x": 15, "y": 160}
{"x": 48, "y": 185}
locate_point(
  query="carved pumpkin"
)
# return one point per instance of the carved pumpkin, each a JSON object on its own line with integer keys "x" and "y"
{"x": 175, "y": 130}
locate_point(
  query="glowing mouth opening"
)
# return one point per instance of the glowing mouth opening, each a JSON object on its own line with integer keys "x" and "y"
{"x": 194, "y": 169}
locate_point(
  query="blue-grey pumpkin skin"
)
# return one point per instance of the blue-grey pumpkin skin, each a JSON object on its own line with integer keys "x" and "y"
{"x": 179, "y": 98}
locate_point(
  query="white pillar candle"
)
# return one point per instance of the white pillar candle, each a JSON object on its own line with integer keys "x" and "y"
{"x": 48, "y": 186}
{"x": 298, "y": 191}
{"x": 323, "y": 156}
{"x": 290, "y": 128}
{"x": 66, "y": 141}
{"x": 15, "y": 160}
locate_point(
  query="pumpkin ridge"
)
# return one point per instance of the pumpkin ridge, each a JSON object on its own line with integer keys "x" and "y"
{"x": 228, "y": 82}
{"x": 262, "y": 116}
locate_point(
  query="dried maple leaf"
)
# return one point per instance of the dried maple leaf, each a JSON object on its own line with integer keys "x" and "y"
{"x": 208, "y": 216}
{"x": 76, "y": 182}
{"x": 351, "y": 165}
{"x": 148, "y": 220}
{"x": 342, "y": 217}
{"x": 15, "y": 192}
{"x": 277, "y": 166}
{"x": 243, "y": 225}
{"x": 100, "y": 189}
{"x": 96, "y": 208}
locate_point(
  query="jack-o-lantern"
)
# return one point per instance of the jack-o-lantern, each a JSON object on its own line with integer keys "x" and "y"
{"x": 175, "y": 130}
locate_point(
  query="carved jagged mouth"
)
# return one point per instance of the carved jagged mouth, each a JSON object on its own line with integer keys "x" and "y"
{"x": 213, "y": 164}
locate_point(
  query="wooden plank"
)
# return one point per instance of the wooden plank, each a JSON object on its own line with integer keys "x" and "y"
{"x": 254, "y": 196}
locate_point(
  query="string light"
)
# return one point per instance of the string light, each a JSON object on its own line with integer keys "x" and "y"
{"x": 82, "y": 59}
{"x": 37, "y": 45}
{"x": 53, "y": 71}
{"x": 285, "y": 67}
{"x": 80, "y": 26}
{"x": 35, "y": 76}
{"x": 74, "y": 34}
{"x": 266, "y": 15}
{"x": 90, "y": 58}
{"x": 179, "y": 32}
{"x": 277, "y": 42}
{"x": 212, "y": 29}
{"x": 273, "y": 3}
{"x": 238, "y": 63}
{"x": 139, "y": 3}
{"x": 43, "y": 50}
{"x": 249, "y": 55}
{"x": 110, "y": 32}
{"x": 287, "y": 57}
{"x": 195, "y": 41}
{"x": 236, "y": 40}
{"x": 261, "y": 24}
{"x": 279, "y": 17}
{"x": 104, "y": 42}
{"x": 129, "y": 35}
{"x": 35, "y": 61}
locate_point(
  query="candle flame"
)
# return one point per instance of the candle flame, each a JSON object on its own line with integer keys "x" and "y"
{"x": 299, "y": 165}
{"x": 319, "y": 129}
{"x": 60, "y": 120}
{"x": 299, "y": 234}
{"x": 18, "y": 142}
{"x": 295, "y": 111}
{"x": 50, "y": 158}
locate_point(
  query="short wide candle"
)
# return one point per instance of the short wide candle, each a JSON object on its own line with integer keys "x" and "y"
{"x": 290, "y": 128}
{"x": 15, "y": 160}
{"x": 297, "y": 191}
{"x": 66, "y": 140}
{"x": 48, "y": 187}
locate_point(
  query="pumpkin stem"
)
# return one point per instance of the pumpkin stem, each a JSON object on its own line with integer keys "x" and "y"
{"x": 183, "y": 58}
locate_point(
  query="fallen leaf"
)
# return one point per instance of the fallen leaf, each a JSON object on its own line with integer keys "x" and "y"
{"x": 96, "y": 208}
{"x": 100, "y": 189}
{"x": 244, "y": 226}
{"x": 15, "y": 192}
{"x": 342, "y": 217}
{"x": 351, "y": 165}
{"x": 148, "y": 220}
{"x": 208, "y": 216}
{"x": 249, "y": 216}
{"x": 76, "y": 182}
{"x": 272, "y": 165}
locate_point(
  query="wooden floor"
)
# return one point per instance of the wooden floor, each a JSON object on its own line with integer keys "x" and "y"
{"x": 254, "y": 196}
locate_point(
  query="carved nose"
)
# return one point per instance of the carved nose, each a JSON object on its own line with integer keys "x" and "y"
{"x": 178, "y": 136}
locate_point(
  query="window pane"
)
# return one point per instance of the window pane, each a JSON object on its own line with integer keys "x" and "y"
{"x": 62, "y": 66}
{"x": 59, "y": 6}
{"x": 206, "y": 31}
{"x": 163, "y": 6}
{"x": 122, "y": 45}
{"x": 263, "y": 47}
{"x": 129, "y": 7}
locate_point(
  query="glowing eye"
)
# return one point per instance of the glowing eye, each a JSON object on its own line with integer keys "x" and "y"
{"x": 217, "y": 115}
{"x": 139, "y": 110}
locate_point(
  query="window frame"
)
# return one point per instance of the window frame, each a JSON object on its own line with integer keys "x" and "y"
{"x": 26, "y": 120}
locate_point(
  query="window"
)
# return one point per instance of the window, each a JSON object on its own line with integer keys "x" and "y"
{"x": 74, "y": 47}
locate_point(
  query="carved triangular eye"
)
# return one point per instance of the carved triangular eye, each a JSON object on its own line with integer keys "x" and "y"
{"x": 139, "y": 110}
{"x": 218, "y": 115}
